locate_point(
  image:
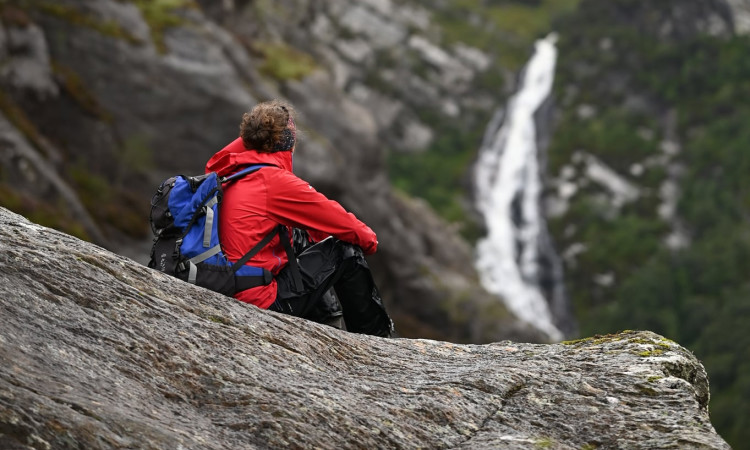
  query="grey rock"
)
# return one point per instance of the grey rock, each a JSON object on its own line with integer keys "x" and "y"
{"x": 99, "y": 352}
{"x": 26, "y": 61}
{"x": 380, "y": 32}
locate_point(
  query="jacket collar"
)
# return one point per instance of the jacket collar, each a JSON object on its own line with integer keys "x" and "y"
{"x": 235, "y": 156}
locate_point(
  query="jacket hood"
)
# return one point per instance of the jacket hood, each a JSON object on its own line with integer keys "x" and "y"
{"x": 235, "y": 156}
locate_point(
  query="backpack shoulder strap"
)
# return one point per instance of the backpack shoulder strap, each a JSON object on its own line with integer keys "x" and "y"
{"x": 291, "y": 257}
{"x": 253, "y": 251}
{"x": 280, "y": 230}
{"x": 242, "y": 173}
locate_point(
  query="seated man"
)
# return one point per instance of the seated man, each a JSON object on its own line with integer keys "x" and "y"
{"x": 254, "y": 205}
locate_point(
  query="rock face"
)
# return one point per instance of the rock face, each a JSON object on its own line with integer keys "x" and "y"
{"x": 105, "y": 98}
{"x": 100, "y": 352}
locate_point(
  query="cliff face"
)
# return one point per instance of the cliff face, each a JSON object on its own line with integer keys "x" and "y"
{"x": 100, "y": 352}
{"x": 103, "y": 99}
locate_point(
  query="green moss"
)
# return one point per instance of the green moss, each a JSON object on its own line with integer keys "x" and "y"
{"x": 647, "y": 390}
{"x": 663, "y": 343}
{"x": 544, "y": 442}
{"x": 219, "y": 319}
{"x": 599, "y": 339}
{"x": 649, "y": 353}
{"x": 282, "y": 62}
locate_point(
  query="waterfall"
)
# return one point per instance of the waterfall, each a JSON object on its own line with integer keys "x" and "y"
{"x": 508, "y": 188}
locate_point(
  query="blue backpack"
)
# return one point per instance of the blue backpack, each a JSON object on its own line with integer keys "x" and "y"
{"x": 184, "y": 219}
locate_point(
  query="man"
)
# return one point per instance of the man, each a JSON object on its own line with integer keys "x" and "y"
{"x": 254, "y": 205}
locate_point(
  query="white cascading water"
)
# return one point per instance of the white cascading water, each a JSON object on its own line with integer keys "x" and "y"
{"x": 508, "y": 188}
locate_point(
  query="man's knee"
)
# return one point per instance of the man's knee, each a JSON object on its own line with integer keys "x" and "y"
{"x": 336, "y": 252}
{"x": 349, "y": 251}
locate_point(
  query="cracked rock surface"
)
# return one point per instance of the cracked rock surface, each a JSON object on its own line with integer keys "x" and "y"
{"x": 99, "y": 352}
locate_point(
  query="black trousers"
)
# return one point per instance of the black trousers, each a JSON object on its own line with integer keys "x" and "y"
{"x": 335, "y": 264}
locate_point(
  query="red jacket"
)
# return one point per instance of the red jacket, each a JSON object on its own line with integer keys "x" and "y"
{"x": 253, "y": 205}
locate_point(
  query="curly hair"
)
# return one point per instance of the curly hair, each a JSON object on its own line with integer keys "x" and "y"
{"x": 269, "y": 127}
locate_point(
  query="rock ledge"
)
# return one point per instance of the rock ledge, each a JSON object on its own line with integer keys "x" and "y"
{"x": 99, "y": 352}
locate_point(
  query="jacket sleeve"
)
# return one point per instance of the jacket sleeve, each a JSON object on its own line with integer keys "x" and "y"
{"x": 293, "y": 202}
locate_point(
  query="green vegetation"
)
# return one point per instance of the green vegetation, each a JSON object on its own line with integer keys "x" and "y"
{"x": 163, "y": 14}
{"x": 698, "y": 295}
{"x": 219, "y": 319}
{"x": 650, "y": 353}
{"x": 526, "y": 20}
{"x": 438, "y": 174}
{"x": 544, "y": 442}
{"x": 614, "y": 131}
{"x": 159, "y": 14}
{"x": 504, "y": 28}
{"x": 282, "y": 62}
